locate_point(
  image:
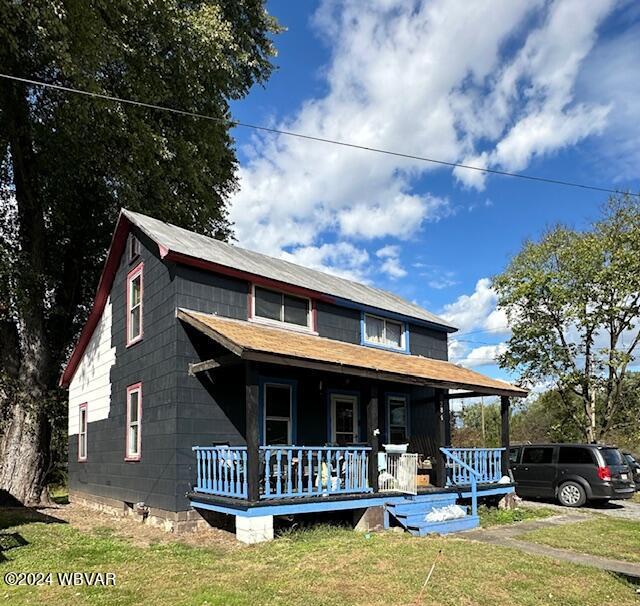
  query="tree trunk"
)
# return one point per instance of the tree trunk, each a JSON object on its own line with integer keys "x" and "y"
{"x": 24, "y": 453}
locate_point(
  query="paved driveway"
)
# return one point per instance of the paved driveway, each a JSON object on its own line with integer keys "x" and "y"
{"x": 617, "y": 509}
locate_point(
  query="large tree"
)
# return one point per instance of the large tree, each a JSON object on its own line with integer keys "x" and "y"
{"x": 68, "y": 163}
{"x": 573, "y": 303}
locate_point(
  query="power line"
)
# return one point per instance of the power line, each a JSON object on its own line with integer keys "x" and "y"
{"x": 235, "y": 123}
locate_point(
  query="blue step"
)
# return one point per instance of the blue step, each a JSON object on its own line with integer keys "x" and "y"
{"x": 448, "y": 526}
{"x": 416, "y": 507}
{"x": 412, "y": 511}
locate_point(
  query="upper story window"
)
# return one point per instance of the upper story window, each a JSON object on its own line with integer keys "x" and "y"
{"x": 274, "y": 306}
{"x": 134, "y": 248}
{"x": 135, "y": 292}
{"x": 383, "y": 332}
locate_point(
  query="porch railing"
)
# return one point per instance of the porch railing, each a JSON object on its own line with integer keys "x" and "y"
{"x": 486, "y": 462}
{"x": 453, "y": 460}
{"x": 302, "y": 471}
{"x": 285, "y": 471}
{"x": 222, "y": 470}
{"x": 398, "y": 473}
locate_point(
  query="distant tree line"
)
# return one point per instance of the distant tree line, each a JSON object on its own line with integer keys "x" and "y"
{"x": 544, "y": 418}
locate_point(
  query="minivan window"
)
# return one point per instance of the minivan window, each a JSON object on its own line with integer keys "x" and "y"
{"x": 612, "y": 456}
{"x": 513, "y": 455}
{"x": 575, "y": 456}
{"x": 537, "y": 455}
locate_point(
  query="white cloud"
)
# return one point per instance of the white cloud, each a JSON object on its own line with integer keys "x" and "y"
{"x": 484, "y": 355}
{"x": 341, "y": 259}
{"x": 486, "y": 82}
{"x": 390, "y": 255}
{"x": 476, "y": 311}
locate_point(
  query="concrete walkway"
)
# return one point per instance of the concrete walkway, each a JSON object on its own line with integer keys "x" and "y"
{"x": 507, "y": 536}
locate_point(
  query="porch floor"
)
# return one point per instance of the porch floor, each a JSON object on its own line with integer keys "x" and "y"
{"x": 292, "y": 506}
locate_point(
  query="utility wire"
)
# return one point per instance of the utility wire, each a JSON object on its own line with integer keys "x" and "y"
{"x": 235, "y": 123}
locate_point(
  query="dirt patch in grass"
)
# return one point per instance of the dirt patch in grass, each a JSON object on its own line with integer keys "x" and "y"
{"x": 324, "y": 566}
{"x": 600, "y": 536}
{"x": 88, "y": 520}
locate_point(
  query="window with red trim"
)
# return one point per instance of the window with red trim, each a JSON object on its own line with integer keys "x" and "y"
{"x": 135, "y": 292}
{"x": 133, "y": 441}
{"x": 82, "y": 433}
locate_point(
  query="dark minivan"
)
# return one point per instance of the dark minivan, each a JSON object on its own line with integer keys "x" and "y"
{"x": 572, "y": 473}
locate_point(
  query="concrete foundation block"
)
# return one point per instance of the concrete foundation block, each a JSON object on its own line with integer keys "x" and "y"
{"x": 254, "y": 529}
{"x": 371, "y": 518}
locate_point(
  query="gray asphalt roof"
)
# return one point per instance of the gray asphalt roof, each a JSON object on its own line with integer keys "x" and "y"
{"x": 183, "y": 241}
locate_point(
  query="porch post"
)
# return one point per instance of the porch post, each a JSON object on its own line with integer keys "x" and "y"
{"x": 443, "y": 417}
{"x": 372, "y": 425}
{"x": 252, "y": 431}
{"x": 504, "y": 415}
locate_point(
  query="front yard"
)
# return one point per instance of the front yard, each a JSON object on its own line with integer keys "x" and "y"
{"x": 319, "y": 566}
{"x": 600, "y": 536}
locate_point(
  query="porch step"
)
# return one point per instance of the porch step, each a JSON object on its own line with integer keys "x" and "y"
{"x": 422, "y": 506}
{"x": 411, "y": 514}
{"x": 448, "y": 526}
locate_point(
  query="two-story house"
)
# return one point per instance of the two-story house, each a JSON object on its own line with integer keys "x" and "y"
{"x": 213, "y": 378}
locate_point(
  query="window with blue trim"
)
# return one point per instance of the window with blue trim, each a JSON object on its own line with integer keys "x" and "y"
{"x": 397, "y": 419}
{"x": 383, "y": 332}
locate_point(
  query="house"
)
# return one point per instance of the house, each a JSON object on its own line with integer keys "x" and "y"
{"x": 210, "y": 379}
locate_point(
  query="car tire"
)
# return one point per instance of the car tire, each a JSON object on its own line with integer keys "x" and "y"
{"x": 572, "y": 494}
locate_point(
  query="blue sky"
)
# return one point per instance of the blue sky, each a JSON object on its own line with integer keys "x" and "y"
{"x": 546, "y": 88}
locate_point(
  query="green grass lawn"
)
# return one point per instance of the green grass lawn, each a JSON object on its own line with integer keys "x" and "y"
{"x": 320, "y": 566}
{"x": 601, "y": 536}
{"x": 492, "y": 516}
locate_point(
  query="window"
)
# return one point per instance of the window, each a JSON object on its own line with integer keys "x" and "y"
{"x": 280, "y": 307}
{"x": 134, "y": 248}
{"x": 514, "y": 455}
{"x": 575, "y": 456}
{"x": 134, "y": 305}
{"x": 397, "y": 419}
{"x": 134, "y": 417}
{"x": 380, "y": 331}
{"x": 537, "y": 455}
{"x": 277, "y": 413}
{"x": 612, "y": 456}
{"x": 82, "y": 433}
{"x": 344, "y": 414}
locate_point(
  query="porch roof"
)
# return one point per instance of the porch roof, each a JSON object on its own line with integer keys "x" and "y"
{"x": 253, "y": 341}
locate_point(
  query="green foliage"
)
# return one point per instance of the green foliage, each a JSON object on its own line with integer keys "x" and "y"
{"x": 68, "y": 163}
{"x": 492, "y": 516}
{"x": 573, "y": 303}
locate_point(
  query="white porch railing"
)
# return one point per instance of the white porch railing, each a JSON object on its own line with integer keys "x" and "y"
{"x": 398, "y": 473}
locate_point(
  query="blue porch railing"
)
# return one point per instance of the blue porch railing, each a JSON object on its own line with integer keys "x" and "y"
{"x": 222, "y": 470}
{"x": 285, "y": 471}
{"x": 299, "y": 471}
{"x": 486, "y": 462}
{"x": 468, "y": 466}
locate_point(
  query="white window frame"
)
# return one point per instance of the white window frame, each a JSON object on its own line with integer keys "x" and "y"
{"x": 137, "y": 271}
{"x": 403, "y": 341}
{"x": 282, "y": 323}
{"x": 82, "y": 432}
{"x": 266, "y": 417}
{"x": 396, "y": 399}
{"x": 355, "y": 403}
{"x": 131, "y": 455}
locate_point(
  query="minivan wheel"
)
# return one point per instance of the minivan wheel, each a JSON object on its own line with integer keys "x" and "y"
{"x": 571, "y": 494}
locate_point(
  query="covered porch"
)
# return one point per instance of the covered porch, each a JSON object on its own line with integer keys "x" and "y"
{"x": 317, "y": 415}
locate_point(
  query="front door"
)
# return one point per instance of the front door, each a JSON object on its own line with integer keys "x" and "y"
{"x": 344, "y": 415}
